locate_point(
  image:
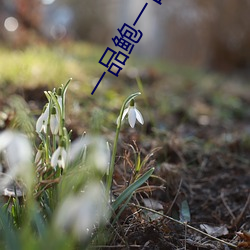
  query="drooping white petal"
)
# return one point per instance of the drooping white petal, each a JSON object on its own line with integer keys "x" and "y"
{"x": 42, "y": 121}
{"x": 44, "y": 127}
{"x": 54, "y": 124}
{"x": 132, "y": 117}
{"x": 123, "y": 116}
{"x": 61, "y": 163}
{"x": 63, "y": 159}
{"x": 59, "y": 158}
{"x": 139, "y": 116}
{"x": 46, "y": 113}
{"x": 55, "y": 156}
{"x": 39, "y": 123}
{"x": 125, "y": 112}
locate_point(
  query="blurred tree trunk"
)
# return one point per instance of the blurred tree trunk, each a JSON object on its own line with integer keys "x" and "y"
{"x": 28, "y": 13}
{"x": 229, "y": 34}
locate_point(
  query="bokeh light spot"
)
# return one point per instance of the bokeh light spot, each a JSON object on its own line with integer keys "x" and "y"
{"x": 47, "y": 2}
{"x": 11, "y": 24}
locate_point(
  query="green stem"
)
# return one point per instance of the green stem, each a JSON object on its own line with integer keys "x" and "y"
{"x": 54, "y": 142}
{"x": 65, "y": 87}
{"x": 47, "y": 140}
{"x": 59, "y": 111}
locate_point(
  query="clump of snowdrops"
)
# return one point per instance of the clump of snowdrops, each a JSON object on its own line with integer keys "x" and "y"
{"x": 61, "y": 190}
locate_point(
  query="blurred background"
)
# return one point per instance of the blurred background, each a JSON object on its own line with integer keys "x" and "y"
{"x": 212, "y": 34}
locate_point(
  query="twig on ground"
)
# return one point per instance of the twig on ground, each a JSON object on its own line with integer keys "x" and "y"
{"x": 184, "y": 224}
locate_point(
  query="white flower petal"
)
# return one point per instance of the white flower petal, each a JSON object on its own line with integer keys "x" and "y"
{"x": 61, "y": 163}
{"x": 139, "y": 116}
{"x": 77, "y": 148}
{"x": 59, "y": 158}
{"x": 55, "y": 156}
{"x": 42, "y": 121}
{"x": 5, "y": 139}
{"x": 117, "y": 120}
{"x": 54, "y": 124}
{"x": 79, "y": 214}
{"x": 19, "y": 151}
{"x": 63, "y": 158}
{"x": 44, "y": 127}
{"x": 39, "y": 123}
{"x": 124, "y": 113}
{"x": 101, "y": 154}
{"x": 46, "y": 113}
{"x": 132, "y": 117}
{"x": 18, "y": 155}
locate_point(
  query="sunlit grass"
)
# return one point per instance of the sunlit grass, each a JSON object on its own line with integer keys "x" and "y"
{"x": 46, "y": 64}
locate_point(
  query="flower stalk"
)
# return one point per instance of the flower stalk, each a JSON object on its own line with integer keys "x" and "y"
{"x": 119, "y": 121}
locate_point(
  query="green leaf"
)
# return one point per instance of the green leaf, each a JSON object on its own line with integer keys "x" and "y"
{"x": 128, "y": 191}
{"x": 122, "y": 209}
{"x": 39, "y": 222}
{"x": 185, "y": 212}
{"x": 10, "y": 236}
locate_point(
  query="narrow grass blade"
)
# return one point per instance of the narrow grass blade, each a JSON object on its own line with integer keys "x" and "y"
{"x": 128, "y": 191}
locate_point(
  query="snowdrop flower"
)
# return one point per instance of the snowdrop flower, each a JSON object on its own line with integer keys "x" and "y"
{"x": 54, "y": 121}
{"x": 42, "y": 122}
{"x": 133, "y": 114}
{"x": 79, "y": 214}
{"x": 59, "y": 157}
{"x": 98, "y": 152}
{"x": 17, "y": 152}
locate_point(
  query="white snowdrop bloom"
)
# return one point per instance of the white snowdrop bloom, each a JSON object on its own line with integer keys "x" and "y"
{"x": 80, "y": 214}
{"x": 59, "y": 157}
{"x": 77, "y": 149}
{"x": 133, "y": 114}
{"x": 54, "y": 121}
{"x": 42, "y": 122}
{"x": 17, "y": 152}
{"x": 98, "y": 152}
